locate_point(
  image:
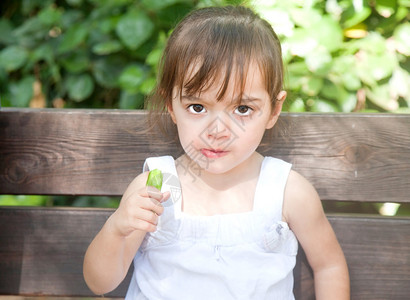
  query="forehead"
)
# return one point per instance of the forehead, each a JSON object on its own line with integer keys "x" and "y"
{"x": 225, "y": 82}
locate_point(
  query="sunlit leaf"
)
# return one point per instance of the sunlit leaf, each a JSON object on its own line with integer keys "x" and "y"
{"x": 351, "y": 17}
{"x": 297, "y": 106}
{"x": 402, "y": 38}
{"x": 319, "y": 59}
{"x": 386, "y": 8}
{"x": 279, "y": 19}
{"x": 305, "y": 17}
{"x": 400, "y": 84}
{"x": 380, "y": 95}
{"x": 311, "y": 86}
{"x": 320, "y": 105}
{"x": 23, "y": 200}
{"x": 328, "y": 33}
{"x": 372, "y": 68}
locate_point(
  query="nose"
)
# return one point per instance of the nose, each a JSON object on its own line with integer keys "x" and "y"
{"x": 219, "y": 129}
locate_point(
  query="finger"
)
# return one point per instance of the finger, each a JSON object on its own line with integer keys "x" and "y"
{"x": 148, "y": 216}
{"x": 153, "y": 192}
{"x": 152, "y": 205}
{"x": 165, "y": 196}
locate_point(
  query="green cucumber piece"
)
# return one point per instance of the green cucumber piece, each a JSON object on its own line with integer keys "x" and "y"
{"x": 155, "y": 179}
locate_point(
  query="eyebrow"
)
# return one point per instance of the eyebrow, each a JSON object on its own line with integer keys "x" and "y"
{"x": 244, "y": 99}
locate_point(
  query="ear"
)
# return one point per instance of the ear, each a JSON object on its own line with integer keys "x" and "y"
{"x": 276, "y": 111}
{"x": 171, "y": 112}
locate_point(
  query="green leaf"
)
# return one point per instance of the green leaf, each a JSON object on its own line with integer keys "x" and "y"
{"x": 372, "y": 68}
{"x": 50, "y": 15}
{"x": 148, "y": 85}
{"x": 380, "y": 95}
{"x": 131, "y": 101}
{"x": 79, "y": 87}
{"x": 297, "y": 106}
{"x": 320, "y": 105}
{"x": 74, "y": 2}
{"x": 155, "y": 5}
{"x": 73, "y": 38}
{"x": 311, "y": 86}
{"x": 13, "y": 57}
{"x": 71, "y": 17}
{"x": 23, "y": 200}
{"x": 131, "y": 79}
{"x": 327, "y": 33}
{"x": 351, "y": 81}
{"x": 305, "y": 17}
{"x": 301, "y": 43}
{"x": 319, "y": 60}
{"x": 6, "y": 32}
{"x": 134, "y": 29}
{"x": 400, "y": 84}
{"x": 386, "y": 8}
{"x": 76, "y": 62}
{"x": 352, "y": 17}
{"x": 107, "y": 71}
{"x": 154, "y": 57}
{"x": 21, "y": 92}
{"x": 344, "y": 67}
{"x": 43, "y": 52}
{"x": 402, "y": 38}
{"x": 106, "y": 48}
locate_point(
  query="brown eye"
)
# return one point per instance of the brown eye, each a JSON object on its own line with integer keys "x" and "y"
{"x": 243, "y": 110}
{"x": 196, "y": 108}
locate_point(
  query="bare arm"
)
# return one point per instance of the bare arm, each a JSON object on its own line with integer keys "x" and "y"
{"x": 110, "y": 254}
{"x": 304, "y": 213}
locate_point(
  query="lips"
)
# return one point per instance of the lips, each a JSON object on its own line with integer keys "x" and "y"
{"x": 213, "y": 153}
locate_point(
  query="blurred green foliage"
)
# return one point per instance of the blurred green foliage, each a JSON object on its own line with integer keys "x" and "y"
{"x": 84, "y": 53}
{"x": 345, "y": 55}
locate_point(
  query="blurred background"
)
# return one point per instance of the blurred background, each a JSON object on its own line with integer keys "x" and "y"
{"x": 340, "y": 56}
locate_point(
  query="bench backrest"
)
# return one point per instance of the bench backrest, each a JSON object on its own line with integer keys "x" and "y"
{"x": 347, "y": 157}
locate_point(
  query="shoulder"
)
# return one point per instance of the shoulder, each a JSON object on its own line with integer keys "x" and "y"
{"x": 300, "y": 198}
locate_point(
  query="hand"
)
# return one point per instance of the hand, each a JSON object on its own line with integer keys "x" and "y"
{"x": 139, "y": 209}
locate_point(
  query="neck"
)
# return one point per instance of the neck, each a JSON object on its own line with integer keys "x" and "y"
{"x": 245, "y": 171}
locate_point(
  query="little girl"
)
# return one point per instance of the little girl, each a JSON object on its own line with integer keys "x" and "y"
{"x": 232, "y": 231}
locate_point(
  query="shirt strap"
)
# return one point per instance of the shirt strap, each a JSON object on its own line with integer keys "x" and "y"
{"x": 170, "y": 180}
{"x": 271, "y": 185}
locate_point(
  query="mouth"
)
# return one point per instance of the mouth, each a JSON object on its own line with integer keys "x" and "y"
{"x": 213, "y": 153}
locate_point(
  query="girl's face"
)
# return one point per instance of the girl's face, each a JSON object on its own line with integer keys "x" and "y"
{"x": 220, "y": 135}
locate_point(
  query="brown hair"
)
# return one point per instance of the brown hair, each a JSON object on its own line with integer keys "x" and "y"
{"x": 217, "y": 40}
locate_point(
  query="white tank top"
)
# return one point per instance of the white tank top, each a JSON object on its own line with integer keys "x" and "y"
{"x": 247, "y": 255}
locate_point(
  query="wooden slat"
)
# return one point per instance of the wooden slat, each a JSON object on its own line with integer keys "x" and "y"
{"x": 41, "y": 253}
{"x": 42, "y": 250}
{"x": 349, "y": 157}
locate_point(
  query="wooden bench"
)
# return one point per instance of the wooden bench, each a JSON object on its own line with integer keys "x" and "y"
{"x": 347, "y": 157}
